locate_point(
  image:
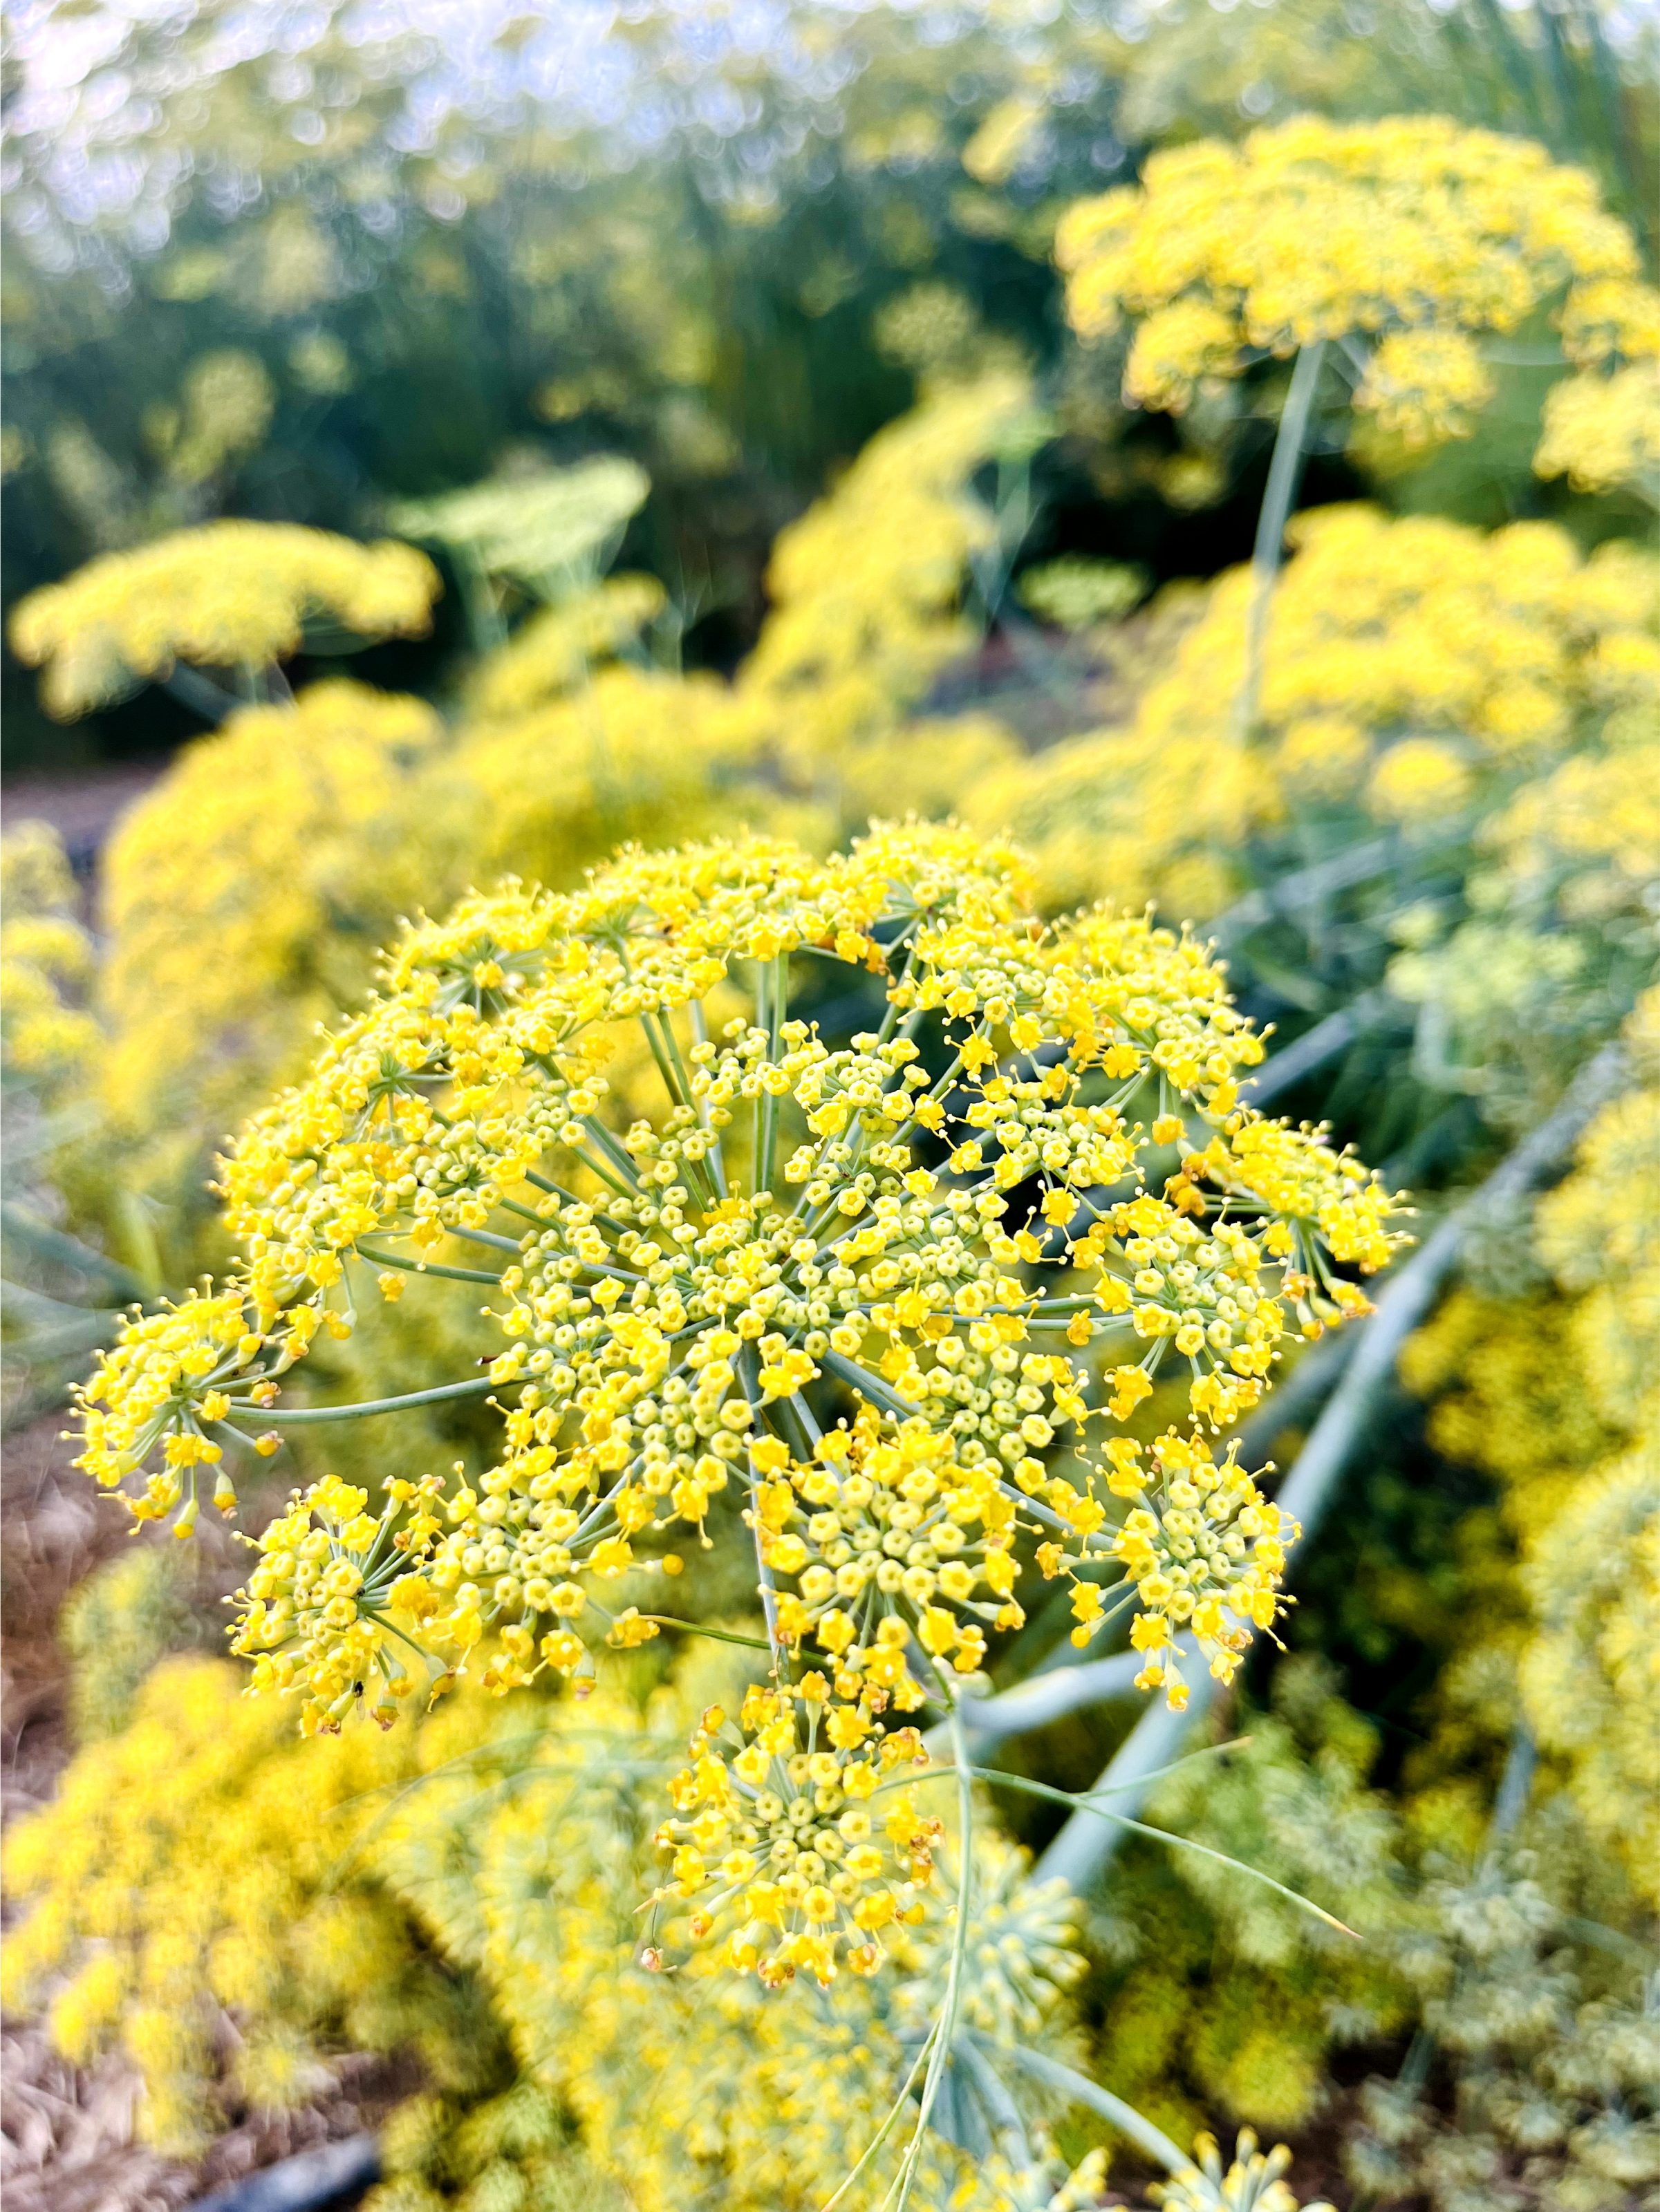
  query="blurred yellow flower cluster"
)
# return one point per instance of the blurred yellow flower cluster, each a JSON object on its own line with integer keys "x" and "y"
{"x": 1416, "y": 668}
{"x": 1600, "y": 1233}
{"x": 1412, "y": 234}
{"x": 617, "y": 752}
{"x": 1590, "y": 1679}
{"x": 48, "y": 962}
{"x": 186, "y": 1867}
{"x": 866, "y": 591}
{"x": 1603, "y": 433}
{"x": 293, "y": 839}
{"x": 232, "y": 897}
{"x": 202, "y": 1863}
{"x": 554, "y": 650}
{"x": 1591, "y": 829}
{"x": 1560, "y": 1404}
{"x": 230, "y": 595}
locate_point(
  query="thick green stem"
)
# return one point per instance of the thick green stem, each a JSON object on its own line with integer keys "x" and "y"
{"x": 671, "y": 1082}
{"x": 199, "y": 693}
{"x": 61, "y": 1249}
{"x": 513, "y": 1244}
{"x": 659, "y": 1035}
{"x": 1284, "y": 472}
{"x": 748, "y": 1374}
{"x": 621, "y": 1160}
{"x": 484, "y": 613}
{"x": 699, "y": 1027}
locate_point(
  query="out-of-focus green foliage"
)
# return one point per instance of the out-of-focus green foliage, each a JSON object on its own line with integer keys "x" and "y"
{"x": 1188, "y": 1947}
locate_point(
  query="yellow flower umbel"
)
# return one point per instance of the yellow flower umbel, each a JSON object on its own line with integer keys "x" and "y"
{"x": 325, "y": 1593}
{"x": 866, "y": 592}
{"x": 165, "y": 1398}
{"x": 1415, "y": 671}
{"x": 1602, "y": 425}
{"x": 1411, "y": 235}
{"x": 1206, "y": 1552}
{"x": 46, "y": 963}
{"x": 228, "y": 595}
{"x": 888, "y": 1525}
{"x": 219, "y": 889}
{"x": 863, "y": 1288}
{"x": 1603, "y": 433}
{"x": 781, "y": 1840}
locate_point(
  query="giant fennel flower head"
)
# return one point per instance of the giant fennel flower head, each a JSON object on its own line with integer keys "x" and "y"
{"x": 227, "y": 595}
{"x": 834, "y": 1302}
{"x": 1411, "y": 235}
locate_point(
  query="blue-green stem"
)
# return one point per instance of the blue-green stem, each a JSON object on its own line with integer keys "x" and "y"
{"x": 1284, "y": 471}
{"x": 478, "y": 598}
{"x": 512, "y": 1244}
{"x": 1084, "y": 1803}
